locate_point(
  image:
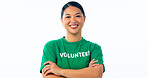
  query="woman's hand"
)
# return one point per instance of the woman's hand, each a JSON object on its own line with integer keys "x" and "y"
{"x": 91, "y": 64}
{"x": 52, "y": 68}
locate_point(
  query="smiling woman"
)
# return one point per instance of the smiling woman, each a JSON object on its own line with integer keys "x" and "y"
{"x": 73, "y": 17}
{"x": 73, "y": 20}
{"x": 72, "y": 56}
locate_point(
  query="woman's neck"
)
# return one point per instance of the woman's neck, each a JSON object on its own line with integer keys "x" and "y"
{"x": 73, "y": 38}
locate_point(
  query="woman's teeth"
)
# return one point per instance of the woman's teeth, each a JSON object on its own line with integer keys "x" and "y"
{"x": 73, "y": 25}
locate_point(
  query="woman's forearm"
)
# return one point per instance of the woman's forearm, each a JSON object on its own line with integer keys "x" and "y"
{"x": 83, "y": 73}
{"x": 52, "y": 76}
{"x": 94, "y": 71}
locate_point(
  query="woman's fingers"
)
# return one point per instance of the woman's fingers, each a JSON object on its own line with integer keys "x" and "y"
{"x": 46, "y": 68}
{"x": 91, "y": 62}
{"x": 52, "y": 68}
{"x": 49, "y": 71}
{"x": 94, "y": 65}
{"x": 94, "y": 62}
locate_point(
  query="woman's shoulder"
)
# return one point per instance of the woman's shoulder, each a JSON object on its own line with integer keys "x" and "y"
{"x": 53, "y": 42}
{"x": 92, "y": 44}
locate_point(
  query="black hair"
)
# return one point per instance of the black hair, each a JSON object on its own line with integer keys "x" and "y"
{"x": 72, "y": 3}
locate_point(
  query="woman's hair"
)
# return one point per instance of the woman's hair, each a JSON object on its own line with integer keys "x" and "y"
{"x": 72, "y": 3}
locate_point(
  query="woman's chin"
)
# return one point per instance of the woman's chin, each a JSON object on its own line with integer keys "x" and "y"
{"x": 74, "y": 33}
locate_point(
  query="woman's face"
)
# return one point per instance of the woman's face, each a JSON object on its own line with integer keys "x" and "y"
{"x": 73, "y": 20}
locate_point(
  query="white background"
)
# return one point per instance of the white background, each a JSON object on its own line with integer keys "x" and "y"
{"x": 119, "y": 26}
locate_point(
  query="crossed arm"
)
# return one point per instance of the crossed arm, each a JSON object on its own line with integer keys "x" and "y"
{"x": 93, "y": 71}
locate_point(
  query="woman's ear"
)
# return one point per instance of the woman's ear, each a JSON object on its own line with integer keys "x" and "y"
{"x": 61, "y": 20}
{"x": 84, "y": 18}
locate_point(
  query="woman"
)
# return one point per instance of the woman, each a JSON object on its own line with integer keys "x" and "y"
{"x": 72, "y": 56}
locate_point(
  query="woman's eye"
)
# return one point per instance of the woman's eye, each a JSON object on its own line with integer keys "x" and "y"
{"x": 78, "y": 16}
{"x": 68, "y": 17}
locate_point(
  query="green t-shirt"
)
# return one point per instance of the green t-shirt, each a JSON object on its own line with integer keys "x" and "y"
{"x": 71, "y": 55}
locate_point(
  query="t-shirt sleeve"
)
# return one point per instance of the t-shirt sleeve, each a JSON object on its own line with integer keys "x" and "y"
{"x": 96, "y": 54}
{"x": 48, "y": 55}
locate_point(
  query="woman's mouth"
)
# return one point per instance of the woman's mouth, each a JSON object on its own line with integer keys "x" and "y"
{"x": 74, "y": 26}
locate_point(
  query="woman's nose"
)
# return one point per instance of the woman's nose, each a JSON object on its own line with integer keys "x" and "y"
{"x": 73, "y": 19}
